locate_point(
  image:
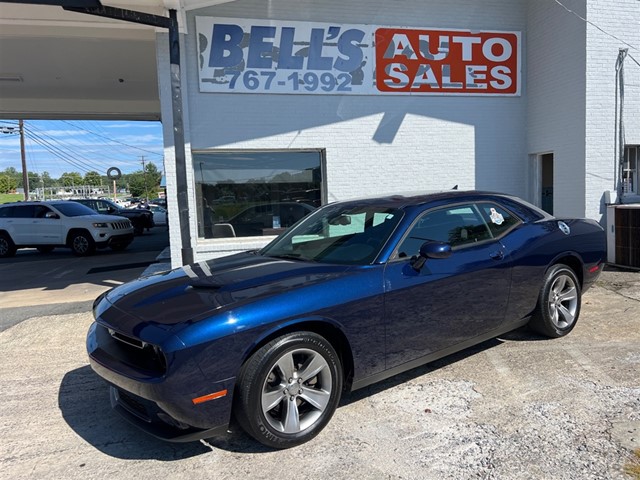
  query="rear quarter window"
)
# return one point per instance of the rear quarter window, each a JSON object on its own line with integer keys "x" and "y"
{"x": 499, "y": 220}
{"x": 5, "y": 212}
{"x": 23, "y": 211}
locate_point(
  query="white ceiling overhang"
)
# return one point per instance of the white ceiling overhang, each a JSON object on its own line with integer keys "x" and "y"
{"x": 56, "y": 63}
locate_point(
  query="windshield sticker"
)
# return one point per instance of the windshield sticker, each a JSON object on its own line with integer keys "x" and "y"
{"x": 496, "y": 217}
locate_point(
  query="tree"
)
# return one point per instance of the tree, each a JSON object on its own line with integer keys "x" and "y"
{"x": 70, "y": 179}
{"x": 7, "y": 183}
{"x": 153, "y": 176}
{"x": 92, "y": 178}
{"x": 34, "y": 180}
{"x": 47, "y": 181}
{"x": 144, "y": 183}
{"x": 136, "y": 182}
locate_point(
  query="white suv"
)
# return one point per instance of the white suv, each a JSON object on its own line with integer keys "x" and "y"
{"x": 46, "y": 225}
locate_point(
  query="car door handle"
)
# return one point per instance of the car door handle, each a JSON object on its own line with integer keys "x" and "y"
{"x": 499, "y": 255}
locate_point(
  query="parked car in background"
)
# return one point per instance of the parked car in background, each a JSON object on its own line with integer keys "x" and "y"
{"x": 252, "y": 221}
{"x": 47, "y": 225}
{"x": 159, "y": 214}
{"x": 356, "y": 292}
{"x": 140, "y": 218}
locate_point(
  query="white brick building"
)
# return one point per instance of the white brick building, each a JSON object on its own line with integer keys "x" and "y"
{"x": 552, "y": 140}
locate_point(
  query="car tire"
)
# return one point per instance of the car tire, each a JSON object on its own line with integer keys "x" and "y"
{"x": 288, "y": 390}
{"x": 559, "y": 302}
{"x": 45, "y": 249}
{"x": 7, "y": 247}
{"x": 82, "y": 244}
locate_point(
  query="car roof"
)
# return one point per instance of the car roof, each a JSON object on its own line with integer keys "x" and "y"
{"x": 408, "y": 201}
{"x": 402, "y": 200}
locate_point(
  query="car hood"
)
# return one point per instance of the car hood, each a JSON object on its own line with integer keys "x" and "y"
{"x": 197, "y": 291}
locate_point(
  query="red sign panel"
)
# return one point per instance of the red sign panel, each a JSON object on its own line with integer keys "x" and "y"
{"x": 447, "y": 62}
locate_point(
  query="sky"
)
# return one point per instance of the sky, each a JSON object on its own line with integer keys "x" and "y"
{"x": 58, "y": 146}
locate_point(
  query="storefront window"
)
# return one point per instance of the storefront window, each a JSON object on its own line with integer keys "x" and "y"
{"x": 255, "y": 193}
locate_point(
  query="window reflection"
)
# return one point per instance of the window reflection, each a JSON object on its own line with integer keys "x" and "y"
{"x": 246, "y": 194}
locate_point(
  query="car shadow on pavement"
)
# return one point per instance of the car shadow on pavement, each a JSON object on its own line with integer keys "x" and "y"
{"x": 523, "y": 334}
{"x": 83, "y": 399}
{"x": 409, "y": 375}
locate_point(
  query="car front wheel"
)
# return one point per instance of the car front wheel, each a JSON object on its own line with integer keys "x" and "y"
{"x": 7, "y": 247}
{"x": 558, "y": 302}
{"x": 82, "y": 244}
{"x": 289, "y": 389}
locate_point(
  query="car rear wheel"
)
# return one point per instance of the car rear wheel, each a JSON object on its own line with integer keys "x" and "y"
{"x": 289, "y": 389}
{"x": 82, "y": 244}
{"x": 559, "y": 302}
{"x": 7, "y": 247}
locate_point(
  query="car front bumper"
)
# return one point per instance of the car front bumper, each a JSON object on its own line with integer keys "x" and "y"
{"x": 161, "y": 403}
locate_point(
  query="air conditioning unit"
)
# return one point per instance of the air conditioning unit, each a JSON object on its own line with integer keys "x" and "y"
{"x": 623, "y": 235}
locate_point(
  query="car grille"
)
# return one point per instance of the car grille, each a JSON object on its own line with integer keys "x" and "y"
{"x": 135, "y": 406}
{"x": 123, "y": 225}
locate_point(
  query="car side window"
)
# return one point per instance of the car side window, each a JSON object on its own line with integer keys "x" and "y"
{"x": 458, "y": 226}
{"x": 41, "y": 211}
{"x": 102, "y": 207}
{"x": 24, "y": 211}
{"x": 499, "y": 220}
{"x": 6, "y": 212}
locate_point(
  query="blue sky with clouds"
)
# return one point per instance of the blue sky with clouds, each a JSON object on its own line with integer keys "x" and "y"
{"x": 58, "y": 146}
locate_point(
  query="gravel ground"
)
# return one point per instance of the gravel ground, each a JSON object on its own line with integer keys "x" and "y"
{"x": 519, "y": 407}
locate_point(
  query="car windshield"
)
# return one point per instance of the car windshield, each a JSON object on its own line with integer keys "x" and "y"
{"x": 340, "y": 233}
{"x": 73, "y": 209}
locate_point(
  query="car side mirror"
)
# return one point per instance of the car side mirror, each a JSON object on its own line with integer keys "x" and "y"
{"x": 431, "y": 249}
{"x": 51, "y": 215}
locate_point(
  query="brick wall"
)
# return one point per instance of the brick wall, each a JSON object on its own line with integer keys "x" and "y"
{"x": 622, "y": 19}
{"x": 374, "y": 144}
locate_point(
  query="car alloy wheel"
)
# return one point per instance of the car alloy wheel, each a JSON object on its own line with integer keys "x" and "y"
{"x": 297, "y": 391}
{"x": 563, "y": 301}
{"x": 82, "y": 244}
{"x": 288, "y": 389}
{"x": 559, "y": 300}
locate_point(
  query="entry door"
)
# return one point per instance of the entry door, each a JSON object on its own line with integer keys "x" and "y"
{"x": 449, "y": 300}
{"x": 546, "y": 182}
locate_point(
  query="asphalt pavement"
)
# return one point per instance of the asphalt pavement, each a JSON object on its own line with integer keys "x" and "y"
{"x": 34, "y": 284}
{"x": 518, "y": 407}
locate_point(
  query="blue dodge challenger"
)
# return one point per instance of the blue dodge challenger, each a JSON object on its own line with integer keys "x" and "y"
{"x": 354, "y": 293}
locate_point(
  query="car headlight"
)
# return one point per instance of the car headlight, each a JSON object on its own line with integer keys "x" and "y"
{"x": 100, "y": 225}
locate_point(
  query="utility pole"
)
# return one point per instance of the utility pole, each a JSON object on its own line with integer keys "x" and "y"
{"x": 144, "y": 177}
{"x": 25, "y": 175}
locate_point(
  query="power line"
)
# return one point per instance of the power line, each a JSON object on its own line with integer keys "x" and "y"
{"x": 112, "y": 139}
{"x": 55, "y": 151}
{"x": 54, "y": 143}
{"x": 594, "y": 25}
{"x": 631, "y": 57}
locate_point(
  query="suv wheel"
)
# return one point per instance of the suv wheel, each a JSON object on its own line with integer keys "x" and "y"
{"x": 7, "y": 247}
{"x": 82, "y": 244}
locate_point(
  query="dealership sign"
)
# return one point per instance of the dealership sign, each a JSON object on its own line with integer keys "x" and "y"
{"x": 268, "y": 56}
